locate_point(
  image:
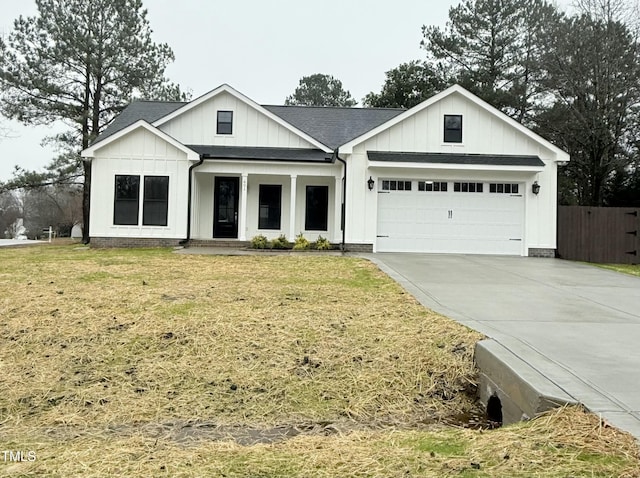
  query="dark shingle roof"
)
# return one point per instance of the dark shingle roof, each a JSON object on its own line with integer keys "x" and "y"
{"x": 334, "y": 126}
{"x": 262, "y": 154}
{"x": 447, "y": 158}
{"x": 149, "y": 111}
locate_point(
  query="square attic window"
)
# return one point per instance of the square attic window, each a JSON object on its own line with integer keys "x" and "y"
{"x": 453, "y": 128}
{"x": 225, "y": 122}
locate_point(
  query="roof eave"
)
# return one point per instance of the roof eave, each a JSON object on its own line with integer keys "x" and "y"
{"x": 452, "y": 166}
{"x": 91, "y": 150}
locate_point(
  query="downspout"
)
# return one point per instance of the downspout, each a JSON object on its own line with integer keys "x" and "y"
{"x": 343, "y": 221}
{"x": 191, "y": 168}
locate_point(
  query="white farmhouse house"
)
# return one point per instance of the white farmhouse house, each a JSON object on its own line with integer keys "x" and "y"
{"x": 452, "y": 174}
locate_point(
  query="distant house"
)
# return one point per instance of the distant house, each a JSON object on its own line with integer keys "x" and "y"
{"x": 452, "y": 174}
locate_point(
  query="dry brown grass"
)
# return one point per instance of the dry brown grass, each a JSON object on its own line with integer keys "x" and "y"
{"x": 139, "y": 363}
{"x": 563, "y": 443}
{"x": 103, "y": 338}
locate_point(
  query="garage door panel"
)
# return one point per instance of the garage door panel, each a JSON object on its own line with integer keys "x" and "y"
{"x": 453, "y": 245}
{"x": 456, "y": 222}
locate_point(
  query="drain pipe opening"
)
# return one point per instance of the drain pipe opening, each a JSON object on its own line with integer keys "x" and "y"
{"x": 494, "y": 409}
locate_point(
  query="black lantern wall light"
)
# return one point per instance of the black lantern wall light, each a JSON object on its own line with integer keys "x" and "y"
{"x": 370, "y": 183}
{"x": 535, "y": 188}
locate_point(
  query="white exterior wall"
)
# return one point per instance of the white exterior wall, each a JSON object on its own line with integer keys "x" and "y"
{"x": 250, "y": 127}
{"x": 139, "y": 153}
{"x": 483, "y": 133}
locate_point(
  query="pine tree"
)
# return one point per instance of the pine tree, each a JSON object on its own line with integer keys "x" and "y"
{"x": 79, "y": 62}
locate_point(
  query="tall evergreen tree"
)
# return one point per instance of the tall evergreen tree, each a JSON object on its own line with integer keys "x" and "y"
{"x": 79, "y": 62}
{"x": 492, "y": 48}
{"x": 320, "y": 90}
{"x": 594, "y": 78}
{"x": 407, "y": 85}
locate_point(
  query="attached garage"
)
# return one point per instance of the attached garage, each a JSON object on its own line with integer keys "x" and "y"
{"x": 478, "y": 210}
{"x": 447, "y": 216}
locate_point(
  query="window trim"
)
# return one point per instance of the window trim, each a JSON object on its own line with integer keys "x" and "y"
{"x": 219, "y": 123}
{"x": 279, "y": 207}
{"x": 455, "y": 131}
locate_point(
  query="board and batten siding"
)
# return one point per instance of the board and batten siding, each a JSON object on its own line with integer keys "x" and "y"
{"x": 483, "y": 133}
{"x": 250, "y": 126}
{"x": 139, "y": 153}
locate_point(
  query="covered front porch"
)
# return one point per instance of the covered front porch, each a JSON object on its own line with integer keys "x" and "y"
{"x": 237, "y": 200}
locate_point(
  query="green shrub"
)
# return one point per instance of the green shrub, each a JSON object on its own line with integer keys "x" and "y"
{"x": 260, "y": 242}
{"x": 280, "y": 243}
{"x": 323, "y": 244}
{"x": 301, "y": 243}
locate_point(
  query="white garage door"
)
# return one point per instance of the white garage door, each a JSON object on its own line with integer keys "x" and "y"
{"x": 450, "y": 216}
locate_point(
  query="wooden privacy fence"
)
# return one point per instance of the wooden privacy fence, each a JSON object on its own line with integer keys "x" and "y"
{"x": 599, "y": 234}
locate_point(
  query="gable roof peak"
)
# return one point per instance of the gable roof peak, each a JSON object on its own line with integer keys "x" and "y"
{"x": 456, "y": 88}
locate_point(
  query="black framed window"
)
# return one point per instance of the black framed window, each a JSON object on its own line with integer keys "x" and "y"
{"x": 395, "y": 185}
{"x": 270, "y": 203}
{"x": 503, "y": 188}
{"x": 468, "y": 187}
{"x": 126, "y": 200}
{"x": 317, "y": 208}
{"x": 453, "y": 128}
{"x": 156, "y": 201}
{"x": 436, "y": 186}
{"x": 225, "y": 122}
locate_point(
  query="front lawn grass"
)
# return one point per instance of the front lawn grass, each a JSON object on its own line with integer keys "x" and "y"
{"x": 148, "y": 363}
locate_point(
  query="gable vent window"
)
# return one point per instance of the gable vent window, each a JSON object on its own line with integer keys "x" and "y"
{"x": 225, "y": 122}
{"x": 467, "y": 187}
{"x": 453, "y": 128}
{"x": 435, "y": 186}
{"x": 394, "y": 185}
{"x": 503, "y": 188}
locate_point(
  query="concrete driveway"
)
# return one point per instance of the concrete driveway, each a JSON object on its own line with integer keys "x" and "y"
{"x": 577, "y": 325}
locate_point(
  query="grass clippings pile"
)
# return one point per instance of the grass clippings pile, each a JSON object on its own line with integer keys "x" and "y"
{"x": 147, "y": 363}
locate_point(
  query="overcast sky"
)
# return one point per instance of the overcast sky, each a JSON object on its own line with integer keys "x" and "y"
{"x": 261, "y": 48}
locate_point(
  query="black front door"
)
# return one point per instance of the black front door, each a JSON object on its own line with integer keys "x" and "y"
{"x": 225, "y": 206}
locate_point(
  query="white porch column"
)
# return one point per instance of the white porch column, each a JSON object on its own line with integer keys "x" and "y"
{"x": 292, "y": 207}
{"x": 242, "y": 233}
{"x": 337, "y": 230}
